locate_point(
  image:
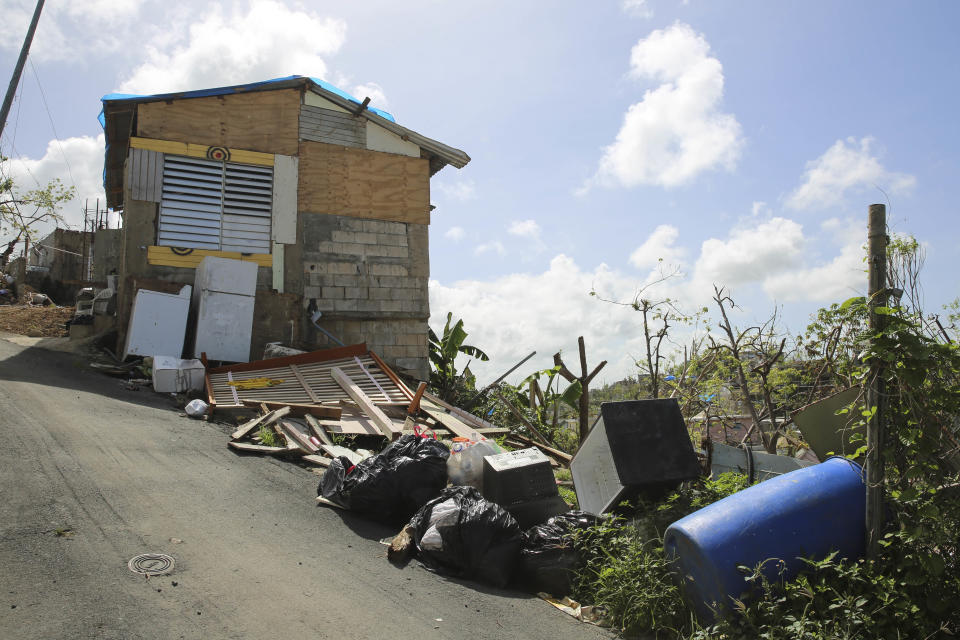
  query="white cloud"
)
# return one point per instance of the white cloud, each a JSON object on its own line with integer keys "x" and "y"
{"x": 494, "y": 246}
{"x": 658, "y": 249}
{"x": 267, "y": 41}
{"x": 373, "y": 91}
{"x": 848, "y": 165}
{"x": 758, "y": 207}
{"x": 459, "y": 190}
{"x": 455, "y": 233}
{"x": 839, "y": 278}
{"x": 524, "y": 229}
{"x": 65, "y": 28}
{"x": 750, "y": 254}
{"x": 84, "y": 155}
{"x": 638, "y": 8}
{"x": 677, "y": 131}
{"x": 510, "y": 316}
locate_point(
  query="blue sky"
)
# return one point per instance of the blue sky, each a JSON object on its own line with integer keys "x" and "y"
{"x": 741, "y": 142}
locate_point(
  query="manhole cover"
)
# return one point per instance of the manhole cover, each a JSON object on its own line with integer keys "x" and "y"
{"x": 151, "y": 564}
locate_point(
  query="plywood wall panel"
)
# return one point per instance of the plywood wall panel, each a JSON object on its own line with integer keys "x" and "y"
{"x": 363, "y": 184}
{"x": 266, "y": 121}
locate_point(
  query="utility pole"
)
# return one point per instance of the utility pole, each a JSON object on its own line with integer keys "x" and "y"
{"x": 18, "y": 70}
{"x": 876, "y": 389}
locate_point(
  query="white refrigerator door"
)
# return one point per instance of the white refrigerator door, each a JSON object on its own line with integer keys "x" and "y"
{"x": 224, "y": 326}
{"x": 226, "y": 275}
{"x": 158, "y": 322}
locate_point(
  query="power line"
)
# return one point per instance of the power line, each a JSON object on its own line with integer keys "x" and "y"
{"x": 56, "y": 136}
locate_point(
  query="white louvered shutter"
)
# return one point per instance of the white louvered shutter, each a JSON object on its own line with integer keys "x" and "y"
{"x": 212, "y": 205}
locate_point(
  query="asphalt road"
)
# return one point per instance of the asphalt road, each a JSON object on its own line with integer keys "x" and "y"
{"x": 92, "y": 474}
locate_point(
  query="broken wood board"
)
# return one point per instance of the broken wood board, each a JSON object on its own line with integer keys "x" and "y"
{"x": 384, "y": 423}
{"x": 295, "y": 432}
{"x": 550, "y": 451}
{"x": 765, "y": 465}
{"x": 449, "y": 422}
{"x": 337, "y": 451}
{"x": 320, "y": 460}
{"x": 330, "y": 503}
{"x": 317, "y": 428}
{"x": 266, "y": 419}
{"x": 256, "y": 448}
{"x": 297, "y": 410}
{"x": 464, "y": 416}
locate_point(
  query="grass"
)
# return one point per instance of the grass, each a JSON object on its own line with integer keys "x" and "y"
{"x": 269, "y": 437}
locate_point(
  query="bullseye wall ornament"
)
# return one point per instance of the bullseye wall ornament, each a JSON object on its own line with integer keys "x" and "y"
{"x": 218, "y": 154}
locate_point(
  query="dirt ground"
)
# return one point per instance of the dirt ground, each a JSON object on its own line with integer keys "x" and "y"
{"x": 36, "y": 322}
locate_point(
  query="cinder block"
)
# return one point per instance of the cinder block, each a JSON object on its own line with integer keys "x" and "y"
{"x": 332, "y": 293}
{"x": 391, "y": 306}
{"x": 379, "y": 293}
{"x": 347, "y": 281}
{"x": 351, "y": 224}
{"x": 346, "y": 305}
{"x": 350, "y": 248}
{"x": 343, "y": 268}
{"x": 387, "y": 270}
{"x": 359, "y": 293}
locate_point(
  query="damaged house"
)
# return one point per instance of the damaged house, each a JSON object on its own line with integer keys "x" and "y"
{"x": 330, "y": 198}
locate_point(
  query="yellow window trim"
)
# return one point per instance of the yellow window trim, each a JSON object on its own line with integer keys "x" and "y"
{"x": 190, "y": 258}
{"x": 202, "y": 151}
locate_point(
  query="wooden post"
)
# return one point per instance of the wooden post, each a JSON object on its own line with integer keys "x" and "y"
{"x": 876, "y": 389}
{"x": 584, "y": 380}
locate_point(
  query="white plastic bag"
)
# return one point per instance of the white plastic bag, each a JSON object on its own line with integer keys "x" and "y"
{"x": 196, "y": 408}
{"x": 465, "y": 464}
{"x": 442, "y": 514}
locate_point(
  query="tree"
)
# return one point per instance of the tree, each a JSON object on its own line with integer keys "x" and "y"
{"x": 445, "y": 380}
{"x": 21, "y": 212}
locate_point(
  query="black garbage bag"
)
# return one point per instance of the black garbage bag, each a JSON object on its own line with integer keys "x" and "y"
{"x": 391, "y": 485}
{"x": 548, "y": 558}
{"x": 461, "y": 534}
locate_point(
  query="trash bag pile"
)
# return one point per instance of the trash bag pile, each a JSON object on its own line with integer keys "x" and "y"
{"x": 548, "y": 557}
{"x": 391, "y": 485}
{"x": 461, "y": 534}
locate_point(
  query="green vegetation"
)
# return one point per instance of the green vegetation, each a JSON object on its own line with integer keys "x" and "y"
{"x": 445, "y": 380}
{"x": 269, "y": 437}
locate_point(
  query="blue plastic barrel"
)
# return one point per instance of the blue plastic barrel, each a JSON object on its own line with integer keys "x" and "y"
{"x": 806, "y": 513}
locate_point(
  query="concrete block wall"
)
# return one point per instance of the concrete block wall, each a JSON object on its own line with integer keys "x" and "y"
{"x": 369, "y": 278}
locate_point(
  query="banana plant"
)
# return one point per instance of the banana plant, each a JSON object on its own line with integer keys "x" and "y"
{"x": 444, "y": 378}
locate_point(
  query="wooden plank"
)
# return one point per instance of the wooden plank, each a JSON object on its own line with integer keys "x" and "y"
{"x": 247, "y": 427}
{"x": 320, "y": 460}
{"x": 414, "y": 405}
{"x": 165, "y": 257}
{"x": 297, "y": 410}
{"x": 265, "y": 121}
{"x": 283, "y": 216}
{"x": 386, "y": 426}
{"x": 337, "y": 451}
{"x": 393, "y": 376}
{"x": 200, "y": 151}
{"x": 449, "y": 422}
{"x": 363, "y": 184}
{"x": 317, "y": 429}
{"x": 300, "y": 438}
{"x": 304, "y": 383}
{"x": 464, "y": 416}
{"x": 562, "y": 455}
{"x": 354, "y": 421}
{"x": 330, "y": 503}
{"x": 256, "y": 448}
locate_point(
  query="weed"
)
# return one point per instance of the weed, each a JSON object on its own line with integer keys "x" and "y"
{"x": 269, "y": 437}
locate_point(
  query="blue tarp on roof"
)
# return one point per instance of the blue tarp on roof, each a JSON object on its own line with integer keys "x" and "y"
{"x": 242, "y": 88}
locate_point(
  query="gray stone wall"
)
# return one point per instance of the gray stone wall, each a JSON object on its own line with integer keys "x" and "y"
{"x": 368, "y": 278}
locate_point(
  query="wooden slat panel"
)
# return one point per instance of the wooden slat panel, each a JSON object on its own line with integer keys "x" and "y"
{"x": 366, "y": 404}
{"x": 264, "y": 121}
{"x": 146, "y": 175}
{"x": 363, "y": 184}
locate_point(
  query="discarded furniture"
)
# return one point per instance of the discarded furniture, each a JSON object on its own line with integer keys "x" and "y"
{"x": 158, "y": 323}
{"x": 805, "y": 513}
{"x": 633, "y": 445}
